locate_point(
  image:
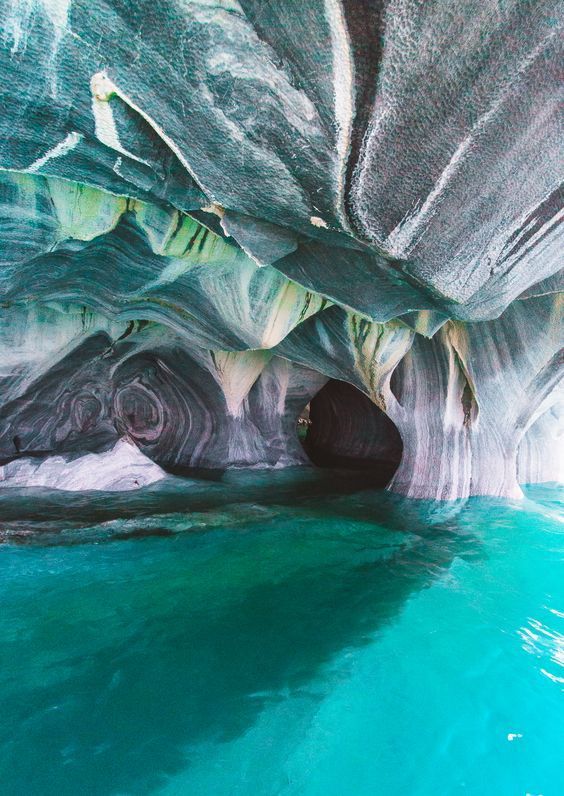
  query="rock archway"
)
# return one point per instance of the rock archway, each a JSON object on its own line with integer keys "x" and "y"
{"x": 346, "y": 429}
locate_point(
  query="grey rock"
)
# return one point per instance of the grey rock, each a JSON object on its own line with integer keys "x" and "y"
{"x": 265, "y": 243}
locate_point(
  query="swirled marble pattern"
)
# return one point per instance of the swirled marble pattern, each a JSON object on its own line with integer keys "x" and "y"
{"x": 180, "y": 408}
{"x": 462, "y": 400}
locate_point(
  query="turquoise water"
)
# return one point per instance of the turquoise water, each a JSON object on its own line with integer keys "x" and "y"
{"x": 280, "y": 634}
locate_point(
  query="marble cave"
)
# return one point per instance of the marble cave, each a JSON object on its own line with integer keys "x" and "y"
{"x": 212, "y": 225}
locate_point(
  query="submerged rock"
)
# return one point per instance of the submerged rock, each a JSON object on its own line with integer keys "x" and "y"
{"x": 120, "y": 469}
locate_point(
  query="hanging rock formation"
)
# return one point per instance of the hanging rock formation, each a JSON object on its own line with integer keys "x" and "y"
{"x": 213, "y": 212}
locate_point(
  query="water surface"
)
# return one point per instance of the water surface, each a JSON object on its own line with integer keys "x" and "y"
{"x": 280, "y": 633}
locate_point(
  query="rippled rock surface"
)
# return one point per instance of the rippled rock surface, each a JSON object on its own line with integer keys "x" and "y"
{"x": 213, "y": 212}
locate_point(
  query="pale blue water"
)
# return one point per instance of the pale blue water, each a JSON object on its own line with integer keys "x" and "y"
{"x": 264, "y": 635}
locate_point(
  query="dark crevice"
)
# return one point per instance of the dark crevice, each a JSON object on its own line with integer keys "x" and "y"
{"x": 346, "y": 430}
{"x": 395, "y": 384}
{"x": 469, "y": 406}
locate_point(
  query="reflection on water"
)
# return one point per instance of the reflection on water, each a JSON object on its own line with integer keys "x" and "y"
{"x": 279, "y": 633}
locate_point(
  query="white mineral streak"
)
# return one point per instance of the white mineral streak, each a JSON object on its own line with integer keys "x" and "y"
{"x": 102, "y": 90}
{"x": 298, "y": 108}
{"x": 18, "y": 22}
{"x": 344, "y": 95}
{"x": 403, "y": 238}
{"x": 406, "y": 234}
{"x": 448, "y": 166}
{"x": 69, "y": 142}
{"x": 120, "y": 469}
{"x": 105, "y": 127}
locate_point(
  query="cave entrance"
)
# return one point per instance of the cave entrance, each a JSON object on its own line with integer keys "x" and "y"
{"x": 341, "y": 427}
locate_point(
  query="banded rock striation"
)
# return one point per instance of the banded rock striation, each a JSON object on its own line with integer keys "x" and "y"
{"x": 213, "y": 214}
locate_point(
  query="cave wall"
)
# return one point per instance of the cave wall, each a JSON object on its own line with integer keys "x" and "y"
{"x": 209, "y": 210}
{"x": 462, "y": 399}
{"x": 196, "y": 408}
{"x": 540, "y": 458}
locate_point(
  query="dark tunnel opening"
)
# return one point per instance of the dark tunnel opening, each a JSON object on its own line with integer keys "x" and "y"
{"x": 342, "y": 427}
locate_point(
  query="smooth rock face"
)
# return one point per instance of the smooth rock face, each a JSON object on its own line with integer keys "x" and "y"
{"x": 540, "y": 458}
{"x": 210, "y": 209}
{"x": 120, "y": 469}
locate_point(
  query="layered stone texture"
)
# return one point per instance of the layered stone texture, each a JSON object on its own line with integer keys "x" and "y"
{"x": 213, "y": 212}
{"x": 472, "y": 392}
